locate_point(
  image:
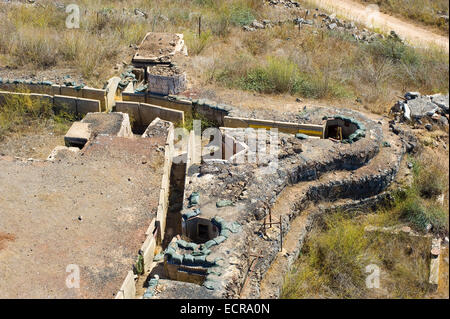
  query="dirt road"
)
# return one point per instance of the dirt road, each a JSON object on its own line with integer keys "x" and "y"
{"x": 371, "y": 17}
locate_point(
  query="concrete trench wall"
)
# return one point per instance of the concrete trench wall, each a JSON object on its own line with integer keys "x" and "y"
{"x": 286, "y": 127}
{"x": 365, "y": 191}
{"x": 165, "y": 186}
{"x": 52, "y": 90}
{"x": 155, "y": 231}
{"x": 76, "y": 105}
{"x": 143, "y": 114}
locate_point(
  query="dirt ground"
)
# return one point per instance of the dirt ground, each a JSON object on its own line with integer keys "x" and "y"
{"x": 413, "y": 33}
{"x": 56, "y": 75}
{"x": 33, "y": 142}
{"x": 157, "y": 44}
{"x": 57, "y": 215}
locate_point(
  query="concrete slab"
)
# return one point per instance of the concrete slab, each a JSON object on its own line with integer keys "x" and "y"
{"x": 78, "y": 135}
{"x": 85, "y": 106}
{"x": 65, "y": 103}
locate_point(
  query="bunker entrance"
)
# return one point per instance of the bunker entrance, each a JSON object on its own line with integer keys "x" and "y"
{"x": 339, "y": 129}
{"x": 200, "y": 230}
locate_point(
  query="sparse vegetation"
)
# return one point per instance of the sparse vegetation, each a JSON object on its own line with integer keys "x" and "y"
{"x": 331, "y": 65}
{"x": 332, "y": 262}
{"x": 19, "y": 110}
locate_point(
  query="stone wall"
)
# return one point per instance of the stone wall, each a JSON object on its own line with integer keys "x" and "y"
{"x": 165, "y": 85}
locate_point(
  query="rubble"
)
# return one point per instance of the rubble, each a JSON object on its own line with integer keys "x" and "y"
{"x": 416, "y": 107}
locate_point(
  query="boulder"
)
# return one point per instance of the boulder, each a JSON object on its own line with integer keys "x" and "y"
{"x": 441, "y": 101}
{"x": 421, "y": 107}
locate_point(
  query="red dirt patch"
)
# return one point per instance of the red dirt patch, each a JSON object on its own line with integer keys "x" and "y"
{"x": 4, "y": 237}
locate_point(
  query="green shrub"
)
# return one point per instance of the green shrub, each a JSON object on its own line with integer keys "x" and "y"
{"x": 241, "y": 15}
{"x": 429, "y": 178}
{"x": 196, "y": 43}
{"x": 20, "y": 109}
{"x": 421, "y": 213}
{"x": 394, "y": 50}
{"x": 334, "y": 262}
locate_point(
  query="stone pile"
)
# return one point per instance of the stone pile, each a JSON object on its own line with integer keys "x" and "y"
{"x": 319, "y": 20}
{"x": 418, "y": 108}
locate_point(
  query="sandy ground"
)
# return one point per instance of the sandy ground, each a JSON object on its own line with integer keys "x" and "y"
{"x": 37, "y": 142}
{"x": 40, "y": 206}
{"x": 414, "y": 34}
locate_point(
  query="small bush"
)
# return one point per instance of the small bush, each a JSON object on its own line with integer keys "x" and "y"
{"x": 241, "y": 15}
{"x": 394, "y": 50}
{"x": 430, "y": 178}
{"x": 333, "y": 262}
{"x": 421, "y": 213}
{"x": 196, "y": 43}
{"x": 18, "y": 110}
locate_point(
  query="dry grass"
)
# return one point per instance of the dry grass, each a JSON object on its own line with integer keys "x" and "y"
{"x": 333, "y": 260}
{"x": 18, "y": 113}
{"x": 329, "y": 65}
{"x": 36, "y": 36}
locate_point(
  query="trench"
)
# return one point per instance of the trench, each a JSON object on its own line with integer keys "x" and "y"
{"x": 176, "y": 192}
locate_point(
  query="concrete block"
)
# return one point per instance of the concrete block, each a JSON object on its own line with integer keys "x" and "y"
{"x": 125, "y": 127}
{"x": 148, "y": 113}
{"x": 148, "y": 252}
{"x": 133, "y": 97}
{"x": 128, "y": 288}
{"x": 78, "y": 135}
{"x": 132, "y": 109}
{"x": 171, "y": 115}
{"x": 65, "y": 103}
{"x": 95, "y": 94}
{"x": 70, "y": 91}
{"x": 85, "y": 106}
{"x": 111, "y": 89}
{"x": 56, "y": 89}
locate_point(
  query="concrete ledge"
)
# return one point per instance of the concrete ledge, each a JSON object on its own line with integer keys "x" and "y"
{"x": 111, "y": 89}
{"x": 143, "y": 114}
{"x": 286, "y": 127}
{"x": 34, "y": 97}
{"x": 71, "y": 91}
{"x": 86, "y": 92}
{"x": 149, "y": 112}
{"x": 95, "y": 94}
{"x": 133, "y": 97}
{"x": 148, "y": 252}
{"x": 66, "y": 103}
{"x": 128, "y": 288}
{"x": 78, "y": 135}
{"x": 85, "y": 106}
